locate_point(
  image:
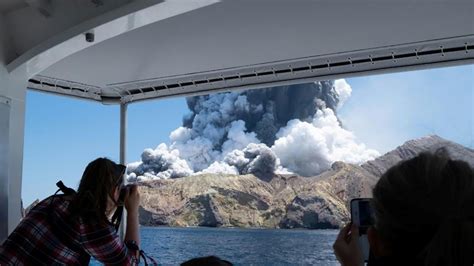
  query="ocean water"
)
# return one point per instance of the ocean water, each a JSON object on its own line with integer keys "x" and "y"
{"x": 171, "y": 246}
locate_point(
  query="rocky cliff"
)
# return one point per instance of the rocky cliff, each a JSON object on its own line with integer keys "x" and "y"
{"x": 285, "y": 201}
{"x": 413, "y": 147}
{"x": 282, "y": 201}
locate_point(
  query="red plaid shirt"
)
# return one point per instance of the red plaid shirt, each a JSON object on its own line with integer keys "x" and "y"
{"x": 46, "y": 237}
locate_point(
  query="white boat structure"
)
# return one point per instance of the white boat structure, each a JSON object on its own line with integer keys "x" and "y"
{"x": 124, "y": 51}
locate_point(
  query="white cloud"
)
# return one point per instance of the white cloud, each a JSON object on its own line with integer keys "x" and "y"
{"x": 220, "y": 168}
{"x": 344, "y": 91}
{"x": 310, "y": 148}
{"x": 237, "y": 139}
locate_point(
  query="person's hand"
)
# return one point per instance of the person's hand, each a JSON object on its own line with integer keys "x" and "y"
{"x": 132, "y": 199}
{"x": 346, "y": 247}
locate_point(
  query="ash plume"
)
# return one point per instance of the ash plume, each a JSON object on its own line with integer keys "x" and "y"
{"x": 264, "y": 111}
{"x": 279, "y": 129}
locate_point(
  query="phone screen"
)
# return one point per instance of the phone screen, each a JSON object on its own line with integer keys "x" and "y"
{"x": 365, "y": 215}
{"x": 362, "y": 216}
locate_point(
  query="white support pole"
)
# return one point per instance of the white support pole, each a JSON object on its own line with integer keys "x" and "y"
{"x": 4, "y": 184}
{"x": 123, "y": 133}
{"x": 123, "y": 159}
{"x": 12, "y": 125}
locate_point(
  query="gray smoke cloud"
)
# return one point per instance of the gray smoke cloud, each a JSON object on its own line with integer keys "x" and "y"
{"x": 279, "y": 129}
{"x": 263, "y": 111}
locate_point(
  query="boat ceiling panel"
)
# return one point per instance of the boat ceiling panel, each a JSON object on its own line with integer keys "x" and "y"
{"x": 10, "y": 5}
{"x": 235, "y": 35}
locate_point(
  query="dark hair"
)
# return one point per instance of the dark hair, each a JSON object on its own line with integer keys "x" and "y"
{"x": 207, "y": 261}
{"x": 98, "y": 182}
{"x": 424, "y": 209}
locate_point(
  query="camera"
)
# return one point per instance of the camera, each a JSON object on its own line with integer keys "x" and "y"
{"x": 90, "y": 37}
{"x": 123, "y": 193}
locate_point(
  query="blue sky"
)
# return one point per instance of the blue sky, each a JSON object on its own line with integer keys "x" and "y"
{"x": 63, "y": 134}
{"x": 385, "y": 110}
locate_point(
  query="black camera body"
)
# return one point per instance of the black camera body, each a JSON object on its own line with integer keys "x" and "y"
{"x": 123, "y": 193}
{"x": 90, "y": 37}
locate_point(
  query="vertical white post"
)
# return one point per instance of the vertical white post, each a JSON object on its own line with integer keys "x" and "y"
{"x": 123, "y": 133}
{"x": 12, "y": 116}
{"x": 4, "y": 184}
{"x": 123, "y": 159}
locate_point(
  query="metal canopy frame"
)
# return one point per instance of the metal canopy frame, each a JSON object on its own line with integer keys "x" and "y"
{"x": 436, "y": 53}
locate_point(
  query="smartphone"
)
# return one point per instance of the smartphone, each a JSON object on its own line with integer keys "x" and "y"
{"x": 362, "y": 215}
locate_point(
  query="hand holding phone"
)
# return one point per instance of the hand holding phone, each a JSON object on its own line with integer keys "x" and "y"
{"x": 346, "y": 247}
{"x": 362, "y": 216}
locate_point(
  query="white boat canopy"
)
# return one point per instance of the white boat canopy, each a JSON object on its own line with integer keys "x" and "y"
{"x": 122, "y": 51}
{"x": 188, "y": 47}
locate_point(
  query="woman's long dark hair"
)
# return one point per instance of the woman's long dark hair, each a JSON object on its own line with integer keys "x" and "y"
{"x": 98, "y": 182}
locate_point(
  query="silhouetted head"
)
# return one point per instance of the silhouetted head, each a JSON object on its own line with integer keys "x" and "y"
{"x": 206, "y": 261}
{"x": 424, "y": 209}
{"x": 99, "y": 187}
